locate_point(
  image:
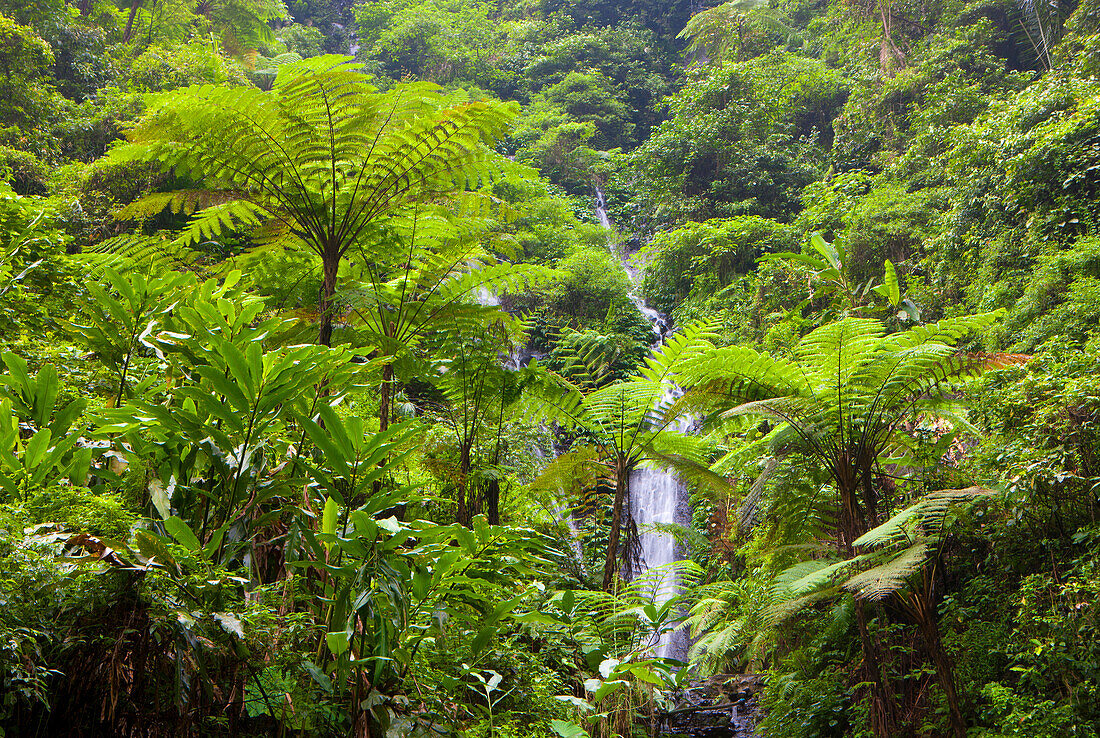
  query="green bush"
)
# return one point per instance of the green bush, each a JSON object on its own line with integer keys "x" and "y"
{"x": 78, "y": 509}
{"x": 160, "y": 68}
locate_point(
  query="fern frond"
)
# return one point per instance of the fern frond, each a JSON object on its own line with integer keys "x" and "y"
{"x": 176, "y": 202}
{"x": 738, "y": 374}
{"x": 133, "y": 252}
{"x": 216, "y": 220}
{"x": 834, "y": 351}
{"x": 947, "y": 331}
{"x": 686, "y": 344}
{"x": 920, "y": 520}
{"x": 891, "y": 575}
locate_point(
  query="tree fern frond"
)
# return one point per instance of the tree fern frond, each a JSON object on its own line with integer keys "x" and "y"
{"x": 570, "y": 472}
{"x": 834, "y": 351}
{"x": 891, "y": 575}
{"x": 785, "y": 608}
{"x": 738, "y": 374}
{"x": 178, "y": 201}
{"x": 750, "y": 507}
{"x": 922, "y": 519}
{"x": 499, "y": 278}
{"x": 686, "y": 344}
{"x": 217, "y": 220}
{"x": 132, "y": 252}
{"x": 947, "y": 331}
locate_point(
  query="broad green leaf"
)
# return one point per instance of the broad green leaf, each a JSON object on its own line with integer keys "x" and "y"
{"x": 466, "y": 537}
{"x": 230, "y": 623}
{"x": 889, "y": 287}
{"x": 645, "y": 674}
{"x": 827, "y": 250}
{"x": 328, "y": 517}
{"x": 36, "y": 448}
{"x": 575, "y": 701}
{"x": 182, "y": 533}
{"x": 159, "y": 496}
{"x": 569, "y": 730}
{"x": 607, "y": 688}
{"x": 338, "y": 642}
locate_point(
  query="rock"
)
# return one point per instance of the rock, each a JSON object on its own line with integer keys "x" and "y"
{"x": 722, "y": 706}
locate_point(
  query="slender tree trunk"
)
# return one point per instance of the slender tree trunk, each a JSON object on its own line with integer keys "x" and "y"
{"x": 464, "y": 515}
{"x": 330, "y": 267}
{"x": 854, "y": 523}
{"x": 922, "y": 607}
{"x": 622, "y": 489}
{"x": 882, "y": 722}
{"x": 492, "y": 501}
{"x": 385, "y": 401}
{"x": 134, "y": 5}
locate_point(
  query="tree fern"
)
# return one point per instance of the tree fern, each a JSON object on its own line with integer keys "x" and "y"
{"x": 842, "y": 400}
{"x": 320, "y": 158}
{"x": 892, "y": 553}
{"x": 629, "y": 422}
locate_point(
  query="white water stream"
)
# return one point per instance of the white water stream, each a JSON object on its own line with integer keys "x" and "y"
{"x": 657, "y": 496}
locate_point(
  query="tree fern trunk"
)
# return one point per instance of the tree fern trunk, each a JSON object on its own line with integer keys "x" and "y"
{"x": 385, "y": 401}
{"x": 622, "y": 484}
{"x": 882, "y": 712}
{"x": 922, "y": 607}
{"x": 327, "y": 301}
{"x": 464, "y": 514}
{"x": 492, "y": 501}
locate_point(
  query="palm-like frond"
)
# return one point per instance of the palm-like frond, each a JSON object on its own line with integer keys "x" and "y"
{"x": 893, "y": 553}
{"x": 890, "y": 575}
{"x": 633, "y": 615}
{"x": 922, "y": 519}
{"x": 130, "y": 252}
{"x": 716, "y": 32}
{"x": 324, "y": 152}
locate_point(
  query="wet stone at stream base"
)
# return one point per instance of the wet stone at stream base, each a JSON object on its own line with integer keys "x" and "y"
{"x": 723, "y": 706}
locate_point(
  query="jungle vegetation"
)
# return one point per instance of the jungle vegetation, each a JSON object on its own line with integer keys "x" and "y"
{"x": 323, "y": 386}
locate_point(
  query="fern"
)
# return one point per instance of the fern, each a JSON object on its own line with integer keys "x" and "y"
{"x": 841, "y": 402}
{"x": 894, "y": 552}
{"x": 150, "y": 254}
{"x": 717, "y": 33}
{"x": 630, "y": 422}
{"x": 324, "y": 155}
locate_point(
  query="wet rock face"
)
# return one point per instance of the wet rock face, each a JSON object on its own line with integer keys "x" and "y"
{"x": 723, "y": 706}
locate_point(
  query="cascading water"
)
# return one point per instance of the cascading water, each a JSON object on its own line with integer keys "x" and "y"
{"x": 657, "y": 496}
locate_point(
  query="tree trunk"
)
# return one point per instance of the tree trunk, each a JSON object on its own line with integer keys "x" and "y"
{"x": 134, "y": 5}
{"x": 385, "y": 396}
{"x": 622, "y": 489}
{"x": 330, "y": 267}
{"x": 921, "y": 605}
{"x": 464, "y": 515}
{"x": 492, "y": 501}
{"x": 882, "y": 701}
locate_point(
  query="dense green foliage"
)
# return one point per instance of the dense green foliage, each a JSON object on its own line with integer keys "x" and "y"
{"x": 330, "y": 364}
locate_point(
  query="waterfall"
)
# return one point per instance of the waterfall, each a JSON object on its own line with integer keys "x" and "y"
{"x": 486, "y": 297}
{"x": 657, "y": 496}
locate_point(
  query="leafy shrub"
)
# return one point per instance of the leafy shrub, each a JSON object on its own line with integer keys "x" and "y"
{"x": 800, "y": 706}
{"x": 78, "y": 509}
{"x": 161, "y": 68}
{"x": 1024, "y": 717}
